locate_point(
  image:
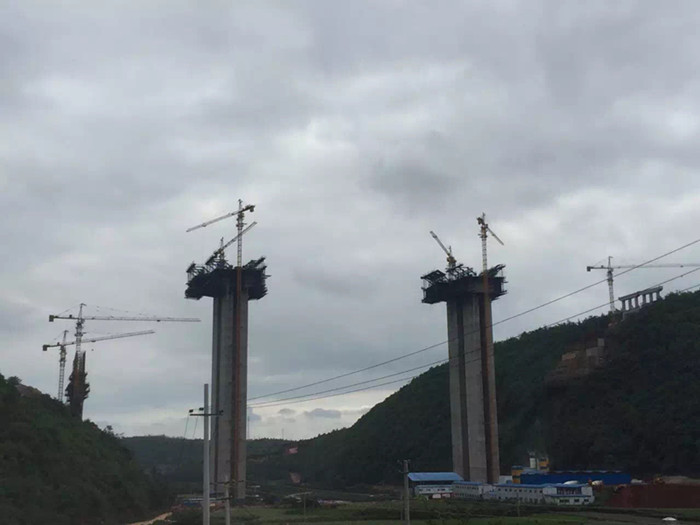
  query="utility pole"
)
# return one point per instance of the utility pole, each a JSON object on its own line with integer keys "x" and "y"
{"x": 205, "y": 462}
{"x": 227, "y": 503}
{"x": 406, "y": 500}
{"x": 206, "y": 482}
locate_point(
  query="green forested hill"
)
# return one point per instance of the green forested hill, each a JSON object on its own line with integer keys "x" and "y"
{"x": 59, "y": 470}
{"x": 640, "y": 413}
{"x": 179, "y": 460}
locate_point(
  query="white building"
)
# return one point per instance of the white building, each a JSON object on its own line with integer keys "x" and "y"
{"x": 552, "y": 494}
{"x": 517, "y": 492}
{"x": 564, "y": 494}
{"x": 433, "y": 484}
{"x": 470, "y": 489}
{"x": 433, "y": 491}
{"x": 448, "y": 484}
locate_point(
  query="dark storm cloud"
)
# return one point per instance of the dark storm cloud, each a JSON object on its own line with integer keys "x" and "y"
{"x": 356, "y": 128}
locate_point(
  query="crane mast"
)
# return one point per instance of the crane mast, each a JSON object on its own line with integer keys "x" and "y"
{"x": 61, "y": 367}
{"x": 484, "y": 230}
{"x": 490, "y": 412}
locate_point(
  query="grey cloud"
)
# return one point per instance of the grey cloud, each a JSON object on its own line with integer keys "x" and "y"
{"x": 333, "y": 281}
{"x": 324, "y": 413}
{"x": 286, "y": 412}
{"x": 356, "y": 128}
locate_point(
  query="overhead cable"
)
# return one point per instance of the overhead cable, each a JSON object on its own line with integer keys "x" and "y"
{"x": 312, "y": 396}
{"x": 425, "y": 349}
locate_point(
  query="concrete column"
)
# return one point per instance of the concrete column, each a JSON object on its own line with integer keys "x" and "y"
{"x": 215, "y": 401}
{"x": 224, "y": 322}
{"x": 466, "y": 389}
{"x": 241, "y": 421}
{"x": 227, "y": 463}
{"x": 489, "y": 391}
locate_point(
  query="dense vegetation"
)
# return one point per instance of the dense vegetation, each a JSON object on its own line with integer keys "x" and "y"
{"x": 59, "y": 470}
{"x": 179, "y": 460}
{"x": 640, "y": 413}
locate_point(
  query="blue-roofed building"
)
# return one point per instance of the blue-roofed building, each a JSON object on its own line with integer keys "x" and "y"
{"x": 606, "y": 477}
{"x": 433, "y": 484}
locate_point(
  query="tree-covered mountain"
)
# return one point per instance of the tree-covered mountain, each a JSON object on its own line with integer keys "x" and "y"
{"x": 179, "y": 460}
{"x": 57, "y": 469}
{"x": 640, "y": 412}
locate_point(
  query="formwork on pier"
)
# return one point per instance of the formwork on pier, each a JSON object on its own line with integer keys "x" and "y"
{"x": 213, "y": 280}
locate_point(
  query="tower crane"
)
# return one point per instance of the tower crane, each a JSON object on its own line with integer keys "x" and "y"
{"x": 219, "y": 253}
{"x": 451, "y": 261}
{"x": 240, "y": 215}
{"x": 241, "y": 209}
{"x": 236, "y": 414}
{"x": 61, "y": 365}
{"x": 78, "y": 390}
{"x": 485, "y": 230}
{"x": 489, "y": 367}
{"x": 62, "y": 346}
{"x": 610, "y": 267}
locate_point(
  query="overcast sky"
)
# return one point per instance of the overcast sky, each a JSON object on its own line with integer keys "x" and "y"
{"x": 356, "y": 128}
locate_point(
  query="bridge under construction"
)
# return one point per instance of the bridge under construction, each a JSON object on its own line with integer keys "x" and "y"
{"x": 473, "y": 411}
{"x": 230, "y": 287}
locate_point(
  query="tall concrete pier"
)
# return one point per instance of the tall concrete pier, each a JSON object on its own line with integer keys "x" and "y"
{"x": 473, "y": 412}
{"x": 222, "y": 282}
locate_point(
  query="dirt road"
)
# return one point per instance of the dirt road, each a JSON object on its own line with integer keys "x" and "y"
{"x": 149, "y": 522}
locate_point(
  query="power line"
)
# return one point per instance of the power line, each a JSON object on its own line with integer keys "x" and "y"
{"x": 597, "y": 283}
{"x": 264, "y": 403}
{"x": 184, "y": 440}
{"x": 425, "y": 349}
{"x": 338, "y": 393}
{"x": 315, "y": 395}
